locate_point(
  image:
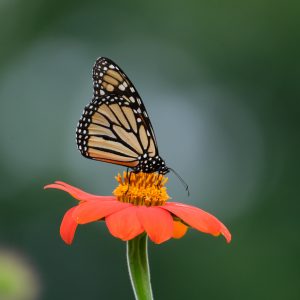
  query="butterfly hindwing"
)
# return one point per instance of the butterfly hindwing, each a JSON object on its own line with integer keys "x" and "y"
{"x": 111, "y": 129}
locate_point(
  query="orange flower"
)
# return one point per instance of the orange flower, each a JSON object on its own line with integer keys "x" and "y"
{"x": 138, "y": 205}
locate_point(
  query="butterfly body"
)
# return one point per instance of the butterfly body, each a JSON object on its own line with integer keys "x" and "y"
{"x": 115, "y": 126}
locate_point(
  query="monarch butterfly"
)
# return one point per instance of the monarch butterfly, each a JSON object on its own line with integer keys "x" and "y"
{"x": 115, "y": 126}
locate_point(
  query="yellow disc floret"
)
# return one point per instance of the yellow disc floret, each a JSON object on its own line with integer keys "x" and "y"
{"x": 142, "y": 188}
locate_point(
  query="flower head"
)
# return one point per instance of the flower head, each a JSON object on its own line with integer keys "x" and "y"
{"x": 139, "y": 205}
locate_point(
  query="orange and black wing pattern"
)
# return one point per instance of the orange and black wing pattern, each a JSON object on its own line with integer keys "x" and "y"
{"x": 115, "y": 126}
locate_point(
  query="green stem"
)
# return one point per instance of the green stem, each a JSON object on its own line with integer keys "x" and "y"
{"x": 137, "y": 261}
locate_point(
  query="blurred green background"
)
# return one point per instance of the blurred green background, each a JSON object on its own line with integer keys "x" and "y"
{"x": 220, "y": 80}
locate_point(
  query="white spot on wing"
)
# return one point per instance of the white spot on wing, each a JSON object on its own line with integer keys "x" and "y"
{"x": 122, "y": 87}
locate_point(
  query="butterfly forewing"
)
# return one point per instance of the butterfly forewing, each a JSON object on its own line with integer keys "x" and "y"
{"x": 109, "y": 79}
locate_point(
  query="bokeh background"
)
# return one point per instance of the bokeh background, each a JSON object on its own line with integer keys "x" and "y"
{"x": 220, "y": 80}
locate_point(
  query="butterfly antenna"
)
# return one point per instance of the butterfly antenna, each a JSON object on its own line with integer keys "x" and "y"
{"x": 181, "y": 180}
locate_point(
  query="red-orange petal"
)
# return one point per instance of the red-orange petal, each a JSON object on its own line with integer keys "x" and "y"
{"x": 179, "y": 229}
{"x": 68, "y": 227}
{"x": 92, "y": 211}
{"x": 157, "y": 222}
{"x": 198, "y": 219}
{"x": 124, "y": 224}
{"x": 226, "y": 233}
{"x": 76, "y": 192}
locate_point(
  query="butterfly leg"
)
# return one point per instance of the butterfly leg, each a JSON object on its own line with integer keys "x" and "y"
{"x": 128, "y": 176}
{"x": 159, "y": 179}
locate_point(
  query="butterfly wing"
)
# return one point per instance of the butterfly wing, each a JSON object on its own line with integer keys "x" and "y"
{"x": 115, "y": 126}
{"x": 110, "y": 80}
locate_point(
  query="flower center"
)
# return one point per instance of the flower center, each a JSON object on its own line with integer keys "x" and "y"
{"x": 142, "y": 188}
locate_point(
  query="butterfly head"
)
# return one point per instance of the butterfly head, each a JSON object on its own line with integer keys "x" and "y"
{"x": 164, "y": 170}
